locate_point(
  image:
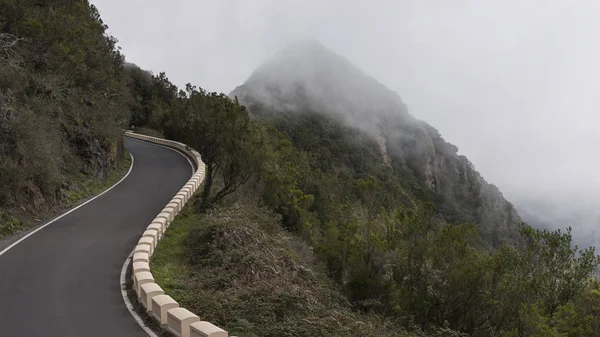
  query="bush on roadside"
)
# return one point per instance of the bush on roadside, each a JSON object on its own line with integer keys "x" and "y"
{"x": 9, "y": 225}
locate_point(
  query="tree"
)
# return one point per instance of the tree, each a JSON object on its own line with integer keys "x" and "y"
{"x": 221, "y": 130}
{"x": 543, "y": 277}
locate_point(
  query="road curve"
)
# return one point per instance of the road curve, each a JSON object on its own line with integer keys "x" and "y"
{"x": 63, "y": 281}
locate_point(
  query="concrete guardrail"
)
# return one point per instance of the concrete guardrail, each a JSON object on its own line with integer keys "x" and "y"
{"x": 160, "y": 306}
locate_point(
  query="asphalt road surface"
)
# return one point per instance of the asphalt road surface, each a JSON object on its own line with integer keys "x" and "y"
{"x": 63, "y": 281}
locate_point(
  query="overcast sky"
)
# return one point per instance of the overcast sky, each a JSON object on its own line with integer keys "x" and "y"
{"x": 514, "y": 84}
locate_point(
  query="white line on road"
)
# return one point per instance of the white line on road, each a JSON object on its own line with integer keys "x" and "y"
{"x": 128, "y": 303}
{"x": 70, "y": 211}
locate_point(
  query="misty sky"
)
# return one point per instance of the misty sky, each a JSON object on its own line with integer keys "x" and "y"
{"x": 512, "y": 83}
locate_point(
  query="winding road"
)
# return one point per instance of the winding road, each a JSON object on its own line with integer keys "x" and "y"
{"x": 63, "y": 281}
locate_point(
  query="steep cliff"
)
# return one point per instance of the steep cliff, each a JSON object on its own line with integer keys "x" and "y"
{"x": 307, "y": 78}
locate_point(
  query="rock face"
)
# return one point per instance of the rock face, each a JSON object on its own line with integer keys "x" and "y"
{"x": 382, "y": 142}
{"x": 307, "y": 76}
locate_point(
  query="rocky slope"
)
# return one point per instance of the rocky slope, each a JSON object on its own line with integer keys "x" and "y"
{"x": 307, "y": 77}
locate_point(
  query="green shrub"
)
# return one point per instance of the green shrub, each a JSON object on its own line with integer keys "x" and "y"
{"x": 9, "y": 225}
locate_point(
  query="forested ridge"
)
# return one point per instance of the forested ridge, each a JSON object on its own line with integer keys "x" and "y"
{"x": 307, "y": 224}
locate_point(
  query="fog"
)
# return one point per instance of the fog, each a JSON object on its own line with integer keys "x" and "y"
{"x": 512, "y": 83}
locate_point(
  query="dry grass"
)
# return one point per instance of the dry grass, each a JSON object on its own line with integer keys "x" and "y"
{"x": 238, "y": 269}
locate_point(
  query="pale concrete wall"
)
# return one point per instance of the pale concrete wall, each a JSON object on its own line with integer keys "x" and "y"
{"x": 140, "y": 266}
{"x": 206, "y": 329}
{"x": 161, "y": 304}
{"x": 147, "y": 292}
{"x": 179, "y": 321}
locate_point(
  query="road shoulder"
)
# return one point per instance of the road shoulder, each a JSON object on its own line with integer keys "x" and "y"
{"x": 114, "y": 180}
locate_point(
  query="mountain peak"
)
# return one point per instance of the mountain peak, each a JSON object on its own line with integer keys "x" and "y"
{"x": 305, "y": 46}
{"x": 307, "y": 76}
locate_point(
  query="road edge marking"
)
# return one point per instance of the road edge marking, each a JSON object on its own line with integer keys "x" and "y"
{"x": 128, "y": 303}
{"x": 69, "y": 211}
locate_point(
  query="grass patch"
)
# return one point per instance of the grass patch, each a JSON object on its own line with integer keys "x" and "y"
{"x": 237, "y": 268}
{"x": 167, "y": 263}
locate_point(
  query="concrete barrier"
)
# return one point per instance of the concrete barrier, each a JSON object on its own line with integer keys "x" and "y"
{"x": 206, "y": 329}
{"x": 186, "y": 191}
{"x": 176, "y": 205}
{"x": 149, "y": 241}
{"x": 181, "y": 197}
{"x": 172, "y": 209}
{"x": 141, "y": 257}
{"x": 179, "y": 321}
{"x": 162, "y": 222}
{"x": 140, "y": 266}
{"x": 157, "y": 227}
{"x": 160, "y": 306}
{"x": 147, "y": 292}
{"x": 151, "y": 233}
{"x": 143, "y": 248}
{"x": 140, "y": 278}
{"x": 168, "y": 216}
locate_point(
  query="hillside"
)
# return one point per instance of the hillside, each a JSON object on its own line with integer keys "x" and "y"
{"x": 307, "y": 79}
{"x": 326, "y": 203}
{"x": 62, "y": 102}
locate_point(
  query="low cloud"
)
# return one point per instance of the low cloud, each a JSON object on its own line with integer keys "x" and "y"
{"x": 512, "y": 83}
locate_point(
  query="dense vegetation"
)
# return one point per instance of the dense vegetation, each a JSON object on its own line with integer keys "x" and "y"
{"x": 377, "y": 234}
{"x": 307, "y": 81}
{"x": 62, "y": 100}
{"x": 242, "y": 270}
{"x": 302, "y": 227}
